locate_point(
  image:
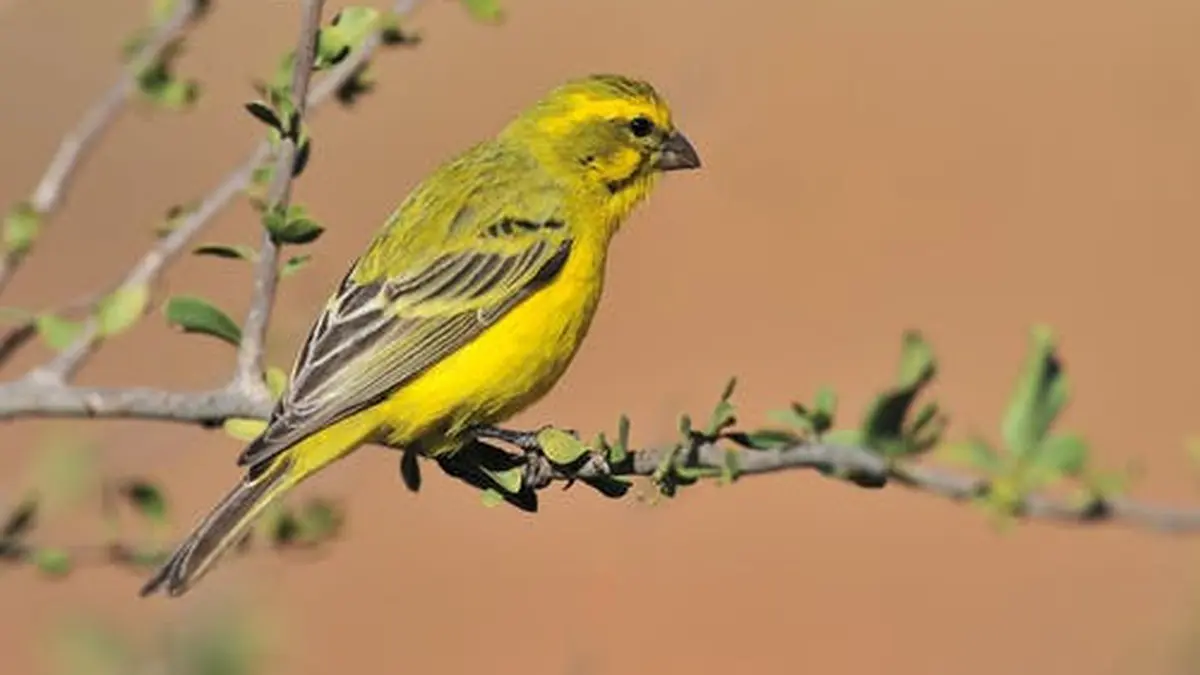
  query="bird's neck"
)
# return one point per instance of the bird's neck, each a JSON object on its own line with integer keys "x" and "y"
{"x": 612, "y": 198}
{"x": 620, "y": 203}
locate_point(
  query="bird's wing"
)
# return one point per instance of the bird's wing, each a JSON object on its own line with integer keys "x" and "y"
{"x": 375, "y": 336}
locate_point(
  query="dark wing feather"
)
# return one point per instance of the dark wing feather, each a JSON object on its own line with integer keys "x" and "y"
{"x": 373, "y": 338}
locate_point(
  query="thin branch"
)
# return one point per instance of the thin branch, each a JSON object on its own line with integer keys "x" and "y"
{"x": 64, "y": 366}
{"x": 211, "y": 408}
{"x": 72, "y": 150}
{"x": 32, "y": 399}
{"x": 871, "y": 468}
{"x": 266, "y": 272}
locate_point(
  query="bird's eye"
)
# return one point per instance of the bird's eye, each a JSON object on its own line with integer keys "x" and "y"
{"x": 641, "y": 127}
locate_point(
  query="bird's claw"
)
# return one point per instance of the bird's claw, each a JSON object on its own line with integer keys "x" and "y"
{"x": 541, "y": 470}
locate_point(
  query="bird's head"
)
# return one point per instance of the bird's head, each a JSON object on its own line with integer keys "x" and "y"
{"x": 611, "y": 131}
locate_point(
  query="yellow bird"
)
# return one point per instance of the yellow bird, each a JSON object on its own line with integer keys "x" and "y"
{"x": 468, "y": 305}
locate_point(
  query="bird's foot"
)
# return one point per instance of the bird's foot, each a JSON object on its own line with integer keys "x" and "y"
{"x": 549, "y": 453}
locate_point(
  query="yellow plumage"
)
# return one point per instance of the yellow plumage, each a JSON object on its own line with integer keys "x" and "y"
{"x": 468, "y": 305}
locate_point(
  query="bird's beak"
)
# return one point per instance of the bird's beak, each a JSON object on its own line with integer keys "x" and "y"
{"x": 677, "y": 153}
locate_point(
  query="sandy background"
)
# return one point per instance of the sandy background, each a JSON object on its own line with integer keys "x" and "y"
{"x": 965, "y": 168}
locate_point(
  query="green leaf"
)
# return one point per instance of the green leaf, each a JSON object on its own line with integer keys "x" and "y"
{"x": 291, "y": 230}
{"x": 263, "y": 113}
{"x": 917, "y": 364}
{"x": 122, "y": 308}
{"x": 926, "y": 429}
{"x": 797, "y": 417}
{"x": 1040, "y": 395}
{"x": 619, "y": 450}
{"x": 146, "y": 498}
{"x": 486, "y": 11}
{"x": 724, "y": 414}
{"x": 360, "y": 82}
{"x": 226, "y": 251}
{"x": 392, "y": 31}
{"x": 158, "y": 84}
{"x": 686, "y": 475}
{"x": 685, "y": 426}
{"x": 410, "y": 470}
{"x": 730, "y": 387}
{"x": 57, "y": 332}
{"x": 174, "y": 217}
{"x": 21, "y": 227}
{"x": 925, "y": 418}
{"x": 883, "y": 426}
{"x": 20, "y": 521}
{"x": 851, "y": 437}
{"x": 280, "y": 85}
{"x": 509, "y": 479}
{"x": 303, "y": 153}
{"x": 178, "y": 94}
{"x": 974, "y": 453}
{"x": 321, "y": 520}
{"x": 824, "y": 410}
{"x": 768, "y": 439}
{"x": 826, "y": 401}
{"x": 1005, "y": 494}
{"x": 559, "y": 446}
{"x": 195, "y": 315}
{"x": 1064, "y": 455}
{"x": 609, "y": 486}
{"x": 666, "y": 474}
{"x": 262, "y": 175}
{"x": 294, "y": 264}
{"x": 347, "y": 31}
{"x": 53, "y": 562}
{"x": 730, "y": 468}
{"x": 244, "y": 429}
{"x": 161, "y": 10}
{"x": 276, "y": 380}
{"x": 491, "y": 498}
{"x": 286, "y": 528}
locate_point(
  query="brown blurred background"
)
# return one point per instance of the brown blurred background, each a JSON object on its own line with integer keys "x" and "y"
{"x": 964, "y": 168}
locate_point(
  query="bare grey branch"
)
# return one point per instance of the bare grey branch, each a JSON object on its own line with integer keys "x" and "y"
{"x": 24, "y": 399}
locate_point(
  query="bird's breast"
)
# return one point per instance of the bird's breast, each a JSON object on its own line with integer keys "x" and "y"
{"x": 513, "y": 363}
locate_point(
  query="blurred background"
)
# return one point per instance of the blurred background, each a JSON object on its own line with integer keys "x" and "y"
{"x": 963, "y": 168}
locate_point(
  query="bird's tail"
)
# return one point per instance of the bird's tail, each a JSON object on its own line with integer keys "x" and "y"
{"x": 223, "y": 527}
